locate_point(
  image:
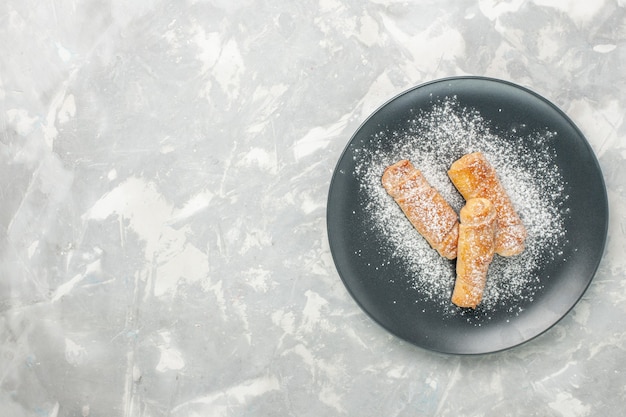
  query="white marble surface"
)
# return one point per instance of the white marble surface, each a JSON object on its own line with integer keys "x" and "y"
{"x": 164, "y": 173}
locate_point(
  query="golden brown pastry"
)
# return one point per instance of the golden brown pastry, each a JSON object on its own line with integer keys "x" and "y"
{"x": 425, "y": 208}
{"x": 476, "y": 244}
{"x": 474, "y": 177}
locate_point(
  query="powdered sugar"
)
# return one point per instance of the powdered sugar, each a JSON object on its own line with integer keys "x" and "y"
{"x": 432, "y": 141}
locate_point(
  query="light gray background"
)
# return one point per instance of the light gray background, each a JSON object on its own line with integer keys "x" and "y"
{"x": 164, "y": 168}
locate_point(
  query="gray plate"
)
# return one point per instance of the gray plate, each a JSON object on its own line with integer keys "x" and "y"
{"x": 503, "y": 104}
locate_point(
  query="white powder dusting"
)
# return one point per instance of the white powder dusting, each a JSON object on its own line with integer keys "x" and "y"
{"x": 432, "y": 141}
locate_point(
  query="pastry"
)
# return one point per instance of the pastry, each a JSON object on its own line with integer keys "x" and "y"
{"x": 474, "y": 177}
{"x": 425, "y": 208}
{"x": 476, "y": 245}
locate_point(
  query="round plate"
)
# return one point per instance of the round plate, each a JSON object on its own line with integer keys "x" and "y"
{"x": 381, "y": 291}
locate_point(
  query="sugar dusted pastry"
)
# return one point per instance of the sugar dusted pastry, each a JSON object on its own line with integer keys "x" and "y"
{"x": 425, "y": 208}
{"x": 476, "y": 245}
{"x": 474, "y": 177}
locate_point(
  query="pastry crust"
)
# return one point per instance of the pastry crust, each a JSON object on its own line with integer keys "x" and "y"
{"x": 425, "y": 208}
{"x": 474, "y": 177}
{"x": 476, "y": 245}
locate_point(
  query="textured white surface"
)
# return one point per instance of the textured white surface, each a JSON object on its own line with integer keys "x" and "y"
{"x": 164, "y": 168}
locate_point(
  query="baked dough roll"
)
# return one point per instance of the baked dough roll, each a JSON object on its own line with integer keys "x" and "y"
{"x": 477, "y": 238}
{"x": 425, "y": 208}
{"x": 474, "y": 177}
